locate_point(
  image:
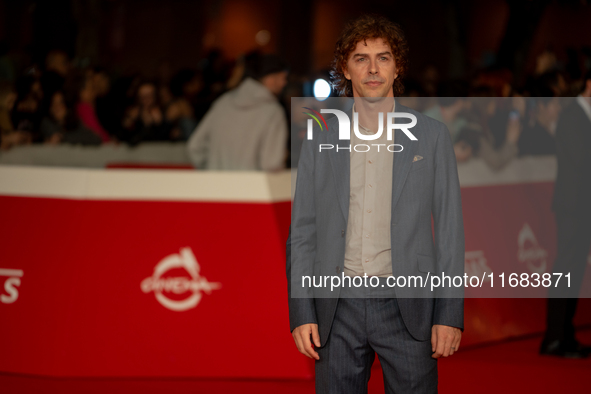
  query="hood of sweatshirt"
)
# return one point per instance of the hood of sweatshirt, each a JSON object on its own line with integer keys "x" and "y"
{"x": 251, "y": 93}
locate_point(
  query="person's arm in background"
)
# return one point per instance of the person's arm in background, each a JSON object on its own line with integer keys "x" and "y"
{"x": 273, "y": 149}
{"x": 51, "y": 132}
{"x": 198, "y": 143}
{"x": 497, "y": 159}
{"x": 88, "y": 117}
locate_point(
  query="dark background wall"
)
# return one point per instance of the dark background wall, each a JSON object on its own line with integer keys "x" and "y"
{"x": 456, "y": 37}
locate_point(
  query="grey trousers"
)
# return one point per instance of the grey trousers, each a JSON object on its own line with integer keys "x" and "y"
{"x": 361, "y": 328}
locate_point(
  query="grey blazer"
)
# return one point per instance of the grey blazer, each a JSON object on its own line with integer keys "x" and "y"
{"x": 420, "y": 190}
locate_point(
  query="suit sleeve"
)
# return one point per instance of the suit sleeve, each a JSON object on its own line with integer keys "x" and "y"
{"x": 301, "y": 244}
{"x": 448, "y": 231}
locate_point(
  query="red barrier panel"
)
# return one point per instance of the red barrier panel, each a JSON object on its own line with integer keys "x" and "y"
{"x": 114, "y": 288}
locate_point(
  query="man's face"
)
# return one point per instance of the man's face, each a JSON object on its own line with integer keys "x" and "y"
{"x": 371, "y": 68}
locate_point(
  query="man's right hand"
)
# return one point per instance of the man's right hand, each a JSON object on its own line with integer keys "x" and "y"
{"x": 301, "y": 336}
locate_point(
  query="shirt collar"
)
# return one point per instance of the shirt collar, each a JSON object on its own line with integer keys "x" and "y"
{"x": 363, "y": 129}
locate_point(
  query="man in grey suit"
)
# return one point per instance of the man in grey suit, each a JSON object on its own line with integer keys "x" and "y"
{"x": 358, "y": 213}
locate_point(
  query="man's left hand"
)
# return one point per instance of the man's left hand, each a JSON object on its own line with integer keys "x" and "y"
{"x": 445, "y": 340}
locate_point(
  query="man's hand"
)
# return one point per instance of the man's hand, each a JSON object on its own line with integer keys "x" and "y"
{"x": 445, "y": 340}
{"x": 301, "y": 336}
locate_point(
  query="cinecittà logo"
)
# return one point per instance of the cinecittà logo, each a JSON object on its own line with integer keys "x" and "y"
{"x": 195, "y": 285}
{"x": 345, "y": 129}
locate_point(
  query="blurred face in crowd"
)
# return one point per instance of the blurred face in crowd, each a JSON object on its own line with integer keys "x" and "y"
{"x": 101, "y": 83}
{"x": 87, "y": 93}
{"x": 8, "y": 101}
{"x": 165, "y": 95}
{"x": 371, "y": 68}
{"x": 58, "y": 62}
{"x": 463, "y": 151}
{"x": 275, "y": 82}
{"x": 147, "y": 95}
{"x": 548, "y": 114}
{"x": 561, "y": 87}
{"x": 58, "y": 109}
{"x": 37, "y": 90}
{"x": 552, "y": 109}
{"x": 193, "y": 87}
{"x": 484, "y": 106}
{"x": 586, "y": 89}
{"x": 451, "y": 107}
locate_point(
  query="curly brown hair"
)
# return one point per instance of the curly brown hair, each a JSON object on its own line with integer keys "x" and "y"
{"x": 369, "y": 26}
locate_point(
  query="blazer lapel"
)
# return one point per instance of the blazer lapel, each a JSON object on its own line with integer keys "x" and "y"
{"x": 341, "y": 163}
{"x": 402, "y": 160}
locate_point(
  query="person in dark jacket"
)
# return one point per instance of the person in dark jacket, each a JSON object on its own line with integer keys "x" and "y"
{"x": 61, "y": 125}
{"x": 145, "y": 121}
{"x": 571, "y": 205}
{"x": 537, "y": 137}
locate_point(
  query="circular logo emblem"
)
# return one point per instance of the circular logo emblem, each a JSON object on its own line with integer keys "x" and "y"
{"x": 195, "y": 285}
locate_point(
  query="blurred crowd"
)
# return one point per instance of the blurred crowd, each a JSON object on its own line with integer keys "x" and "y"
{"x": 59, "y": 103}
{"x": 490, "y": 118}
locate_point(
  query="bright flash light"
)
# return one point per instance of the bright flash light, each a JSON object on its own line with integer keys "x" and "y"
{"x": 321, "y": 89}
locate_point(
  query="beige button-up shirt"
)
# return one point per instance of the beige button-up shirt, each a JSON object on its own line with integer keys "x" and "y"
{"x": 368, "y": 246}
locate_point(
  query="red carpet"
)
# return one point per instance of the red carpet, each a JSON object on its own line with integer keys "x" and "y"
{"x": 506, "y": 367}
{"x": 515, "y": 367}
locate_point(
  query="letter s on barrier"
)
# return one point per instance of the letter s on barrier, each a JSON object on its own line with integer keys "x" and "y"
{"x": 10, "y": 287}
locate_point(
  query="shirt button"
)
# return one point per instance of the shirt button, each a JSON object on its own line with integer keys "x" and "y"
{"x": 342, "y": 233}
{"x": 367, "y": 260}
{"x": 369, "y": 211}
{"x": 367, "y": 236}
{"x": 370, "y": 185}
{"x": 369, "y": 161}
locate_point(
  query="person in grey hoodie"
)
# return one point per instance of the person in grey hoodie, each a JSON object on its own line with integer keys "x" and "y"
{"x": 246, "y": 128}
